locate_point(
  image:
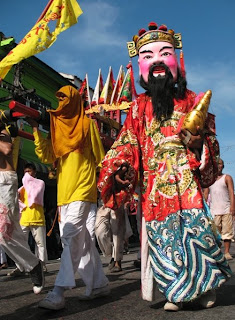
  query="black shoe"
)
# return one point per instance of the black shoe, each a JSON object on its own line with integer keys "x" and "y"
{"x": 37, "y": 277}
{"x": 116, "y": 269}
{"x": 111, "y": 264}
{"x": 117, "y": 266}
{"x": 137, "y": 264}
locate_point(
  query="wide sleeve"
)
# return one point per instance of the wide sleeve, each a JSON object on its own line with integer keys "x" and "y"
{"x": 43, "y": 148}
{"x": 97, "y": 146}
{"x": 124, "y": 150}
{"x": 210, "y": 154}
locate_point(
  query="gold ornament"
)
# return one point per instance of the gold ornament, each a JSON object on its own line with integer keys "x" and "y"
{"x": 196, "y": 118}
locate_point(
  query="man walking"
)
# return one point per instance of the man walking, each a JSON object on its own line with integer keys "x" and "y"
{"x": 12, "y": 239}
{"x": 222, "y": 206}
{"x": 76, "y": 146}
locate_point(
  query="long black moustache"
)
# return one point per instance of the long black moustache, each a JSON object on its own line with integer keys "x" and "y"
{"x": 163, "y": 90}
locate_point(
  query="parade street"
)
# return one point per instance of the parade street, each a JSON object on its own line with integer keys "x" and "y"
{"x": 124, "y": 303}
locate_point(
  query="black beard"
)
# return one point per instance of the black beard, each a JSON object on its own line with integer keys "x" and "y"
{"x": 162, "y": 90}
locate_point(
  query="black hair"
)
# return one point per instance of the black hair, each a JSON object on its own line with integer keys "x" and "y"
{"x": 30, "y": 166}
{"x": 222, "y": 162}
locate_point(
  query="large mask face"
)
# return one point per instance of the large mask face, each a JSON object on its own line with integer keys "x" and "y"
{"x": 155, "y": 53}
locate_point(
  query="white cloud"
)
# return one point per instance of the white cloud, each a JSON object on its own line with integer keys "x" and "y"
{"x": 99, "y": 20}
{"x": 220, "y": 79}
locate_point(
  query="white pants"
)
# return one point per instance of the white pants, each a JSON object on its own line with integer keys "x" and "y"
{"x": 39, "y": 235}
{"x": 90, "y": 223}
{"x": 12, "y": 238}
{"x": 3, "y": 257}
{"x": 110, "y": 232}
{"x": 79, "y": 252}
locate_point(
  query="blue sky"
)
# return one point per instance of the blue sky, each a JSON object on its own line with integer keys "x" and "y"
{"x": 99, "y": 39}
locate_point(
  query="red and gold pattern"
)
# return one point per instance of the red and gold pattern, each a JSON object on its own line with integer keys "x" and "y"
{"x": 171, "y": 174}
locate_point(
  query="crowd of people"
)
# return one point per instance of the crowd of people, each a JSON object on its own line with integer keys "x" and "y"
{"x": 171, "y": 167}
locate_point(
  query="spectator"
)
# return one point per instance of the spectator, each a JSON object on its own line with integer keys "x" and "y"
{"x": 32, "y": 218}
{"x": 12, "y": 239}
{"x": 110, "y": 234}
{"x": 222, "y": 206}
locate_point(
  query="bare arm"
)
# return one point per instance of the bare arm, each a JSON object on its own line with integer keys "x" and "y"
{"x": 6, "y": 147}
{"x": 230, "y": 185}
{"x": 122, "y": 179}
{"x": 206, "y": 193}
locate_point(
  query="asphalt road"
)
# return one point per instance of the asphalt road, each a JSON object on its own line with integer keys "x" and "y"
{"x": 17, "y": 301}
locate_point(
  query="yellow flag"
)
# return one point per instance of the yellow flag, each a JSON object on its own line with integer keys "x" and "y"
{"x": 59, "y": 16}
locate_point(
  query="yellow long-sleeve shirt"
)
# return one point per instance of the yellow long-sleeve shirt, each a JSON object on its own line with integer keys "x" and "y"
{"x": 76, "y": 172}
{"x": 31, "y": 216}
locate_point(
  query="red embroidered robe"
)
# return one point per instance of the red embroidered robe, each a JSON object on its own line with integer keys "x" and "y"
{"x": 170, "y": 175}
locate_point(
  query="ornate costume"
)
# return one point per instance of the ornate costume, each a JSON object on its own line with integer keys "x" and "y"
{"x": 183, "y": 249}
{"x": 182, "y": 245}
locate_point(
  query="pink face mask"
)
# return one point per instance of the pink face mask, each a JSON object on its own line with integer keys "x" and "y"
{"x": 156, "y": 52}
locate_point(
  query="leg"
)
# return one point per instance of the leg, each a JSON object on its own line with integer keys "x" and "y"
{"x": 227, "y": 244}
{"x": 103, "y": 231}
{"x": 117, "y": 222}
{"x": 227, "y": 234}
{"x": 17, "y": 272}
{"x": 90, "y": 223}
{"x": 18, "y": 250}
{"x": 12, "y": 238}
{"x": 3, "y": 259}
{"x": 79, "y": 252}
{"x": 39, "y": 235}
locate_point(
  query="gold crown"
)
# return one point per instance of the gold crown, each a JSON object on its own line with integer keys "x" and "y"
{"x": 154, "y": 34}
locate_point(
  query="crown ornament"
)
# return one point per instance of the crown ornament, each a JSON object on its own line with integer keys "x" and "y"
{"x": 154, "y": 34}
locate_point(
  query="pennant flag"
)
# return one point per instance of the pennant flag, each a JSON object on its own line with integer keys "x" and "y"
{"x": 182, "y": 66}
{"x": 82, "y": 87}
{"x": 87, "y": 96}
{"x": 63, "y": 13}
{"x": 118, "y": 85}
{"x": 84, "y": 91}
{"x": 130, "y": 67}
{"x": 106, "y": 93}
{"x": 126, "y": 90}
{"x": 98, "y": 89}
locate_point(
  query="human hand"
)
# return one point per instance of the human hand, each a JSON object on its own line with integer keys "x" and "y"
{"x": 190, "y": 140}
{"x": 122, "y": 177}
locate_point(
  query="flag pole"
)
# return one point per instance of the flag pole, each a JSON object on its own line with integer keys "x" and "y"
{"x": 44, "y": 11}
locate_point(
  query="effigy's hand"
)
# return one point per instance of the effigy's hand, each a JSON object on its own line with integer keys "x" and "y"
{"x": 192, "y": 141}
{"x": 122, "y": 177}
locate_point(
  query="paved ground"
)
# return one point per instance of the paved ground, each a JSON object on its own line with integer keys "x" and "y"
{"x": 17, "y": 300}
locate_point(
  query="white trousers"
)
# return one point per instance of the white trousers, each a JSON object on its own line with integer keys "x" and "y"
{"x": 110, "y": 232}
{"x": 12, "y": 238}
{"x": 39, "y": 235}
{"x": 3, "y": 257}
{"x": 90, "y": 223}
{"x": 79, "y": 252}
